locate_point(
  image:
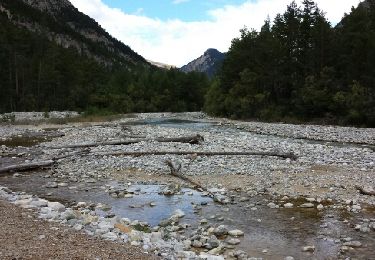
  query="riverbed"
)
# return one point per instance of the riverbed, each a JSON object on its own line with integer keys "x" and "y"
{"x": 307, "y": 208}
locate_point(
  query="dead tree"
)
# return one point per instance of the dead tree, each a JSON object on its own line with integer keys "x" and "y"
{"x": 27, "y": 166}
{"x": 176, "y": 172}
{"x": 196, "y": 153}
{"x": 196, "y": 139}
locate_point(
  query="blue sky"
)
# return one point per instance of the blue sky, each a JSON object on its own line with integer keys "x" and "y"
{"x": 185, "y": 10}
{"x": 175, "y": 32}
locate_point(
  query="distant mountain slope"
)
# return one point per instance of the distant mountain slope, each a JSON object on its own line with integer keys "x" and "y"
{"x": 208, "y": 63}
{"x": 62, "y": 23}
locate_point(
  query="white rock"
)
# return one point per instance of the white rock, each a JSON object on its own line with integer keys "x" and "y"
{"x": 288, "y": 205}
{"x": 110, "y": 236}
{"x": 236, "y": 233}
{"x": 234, "y": 241}
{"x": 307, "y": 205}
{"x": 179, "y": 213}
{"x": 308, "y": 249}
{"x": 56, "y": 206}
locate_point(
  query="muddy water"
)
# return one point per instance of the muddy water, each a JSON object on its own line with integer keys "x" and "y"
{"x": 282, "y": 232}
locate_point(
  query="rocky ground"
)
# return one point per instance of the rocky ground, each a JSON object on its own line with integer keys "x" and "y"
{"x": 332, "y": 164}
{"x": 23, "y": 236}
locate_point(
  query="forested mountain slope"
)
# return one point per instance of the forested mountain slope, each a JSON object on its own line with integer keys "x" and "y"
{"x": 55, "y": 58}
{"x": 300, "y": 68}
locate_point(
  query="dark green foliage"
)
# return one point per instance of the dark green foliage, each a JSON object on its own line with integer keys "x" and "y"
{"x": 301, "y": 68}
{"x": 37, "y": 74}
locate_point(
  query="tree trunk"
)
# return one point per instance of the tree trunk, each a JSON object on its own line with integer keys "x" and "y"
{"x": 26, "y": 166}
{"x": 271, "y": 154}
{"x": 197, "y": 139}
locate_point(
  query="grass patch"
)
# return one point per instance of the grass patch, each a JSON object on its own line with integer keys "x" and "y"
{"x": 141, "y": 228}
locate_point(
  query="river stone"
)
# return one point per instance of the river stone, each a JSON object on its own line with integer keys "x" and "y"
{"x": 68, "y": 215}
{"x": 353, "y": 244}
{"x": 308, "y": 249}
{"x": 187, "y": 244}
{"x": 110, "y": 236}
{"x": 234, "y": 241}
{"x": 56, "y": 206}
{"x": 104, "y": 225}
{"x": 156, "y": 237}
{"x": 179, "y": 213}
{"x": 39, "y": 203}
{"x": 236, "y": 233}
{"x": 52, "y": 185}
{"x": 220, "y": 231}
{"x": 272, "y": 205}
{"x": 197, "y": 244}
{"x": 23, "y": 202}
{"x": 307, "y": 205}
{"x": 81, "y": 204}
{"x": 212, "y": 242}
{"x": 288, "y": 205}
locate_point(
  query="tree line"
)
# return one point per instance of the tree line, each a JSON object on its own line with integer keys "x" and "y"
{"x": 297, "y": 68}
{"x": 300, "y": 68}
{"x": 38, "y": 75}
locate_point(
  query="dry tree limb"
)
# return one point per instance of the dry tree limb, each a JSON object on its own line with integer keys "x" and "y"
{"x": 95, "y": 144}
{"x": 271, "y": 154}
{"x": 196, "y": 139}
{"x": 27, "y": 166}
{"x": 176, "y": 172}
{"x": 366, "y": 190}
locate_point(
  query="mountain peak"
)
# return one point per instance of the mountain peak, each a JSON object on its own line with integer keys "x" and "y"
{"x": 211, "y": 52}
{"x": 50, "y": 6}
{"x": 208, "y": 63}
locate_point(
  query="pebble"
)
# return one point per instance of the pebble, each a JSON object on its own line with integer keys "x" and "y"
{"x": 236, "y": 233}
{"x": 353, "y": 244}
{"x": 288, "y": 205}
{"x": 308, "y": 249}
{"x": 307, "y": 205}
{"x": 234, "y": 241}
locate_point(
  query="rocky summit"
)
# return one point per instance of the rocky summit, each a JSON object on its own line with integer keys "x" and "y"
{"x": 208, "y": 63}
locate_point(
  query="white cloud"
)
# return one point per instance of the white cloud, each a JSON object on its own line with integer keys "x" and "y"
{"x": 176, "y": 42}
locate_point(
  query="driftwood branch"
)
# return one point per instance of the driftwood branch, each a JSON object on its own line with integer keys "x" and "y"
{"x": 27, "y": 166}
{"x": 176, "y": 172}
{"x": 196, "y": 139}
{"x": 271, "y": 154}
{"x": 366, "y": 190}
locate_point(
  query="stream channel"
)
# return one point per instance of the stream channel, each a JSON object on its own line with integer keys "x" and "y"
{"x": 269, "y": 233}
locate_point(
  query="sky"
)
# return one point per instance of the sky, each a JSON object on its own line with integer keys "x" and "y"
{"x": 176, "y": 32}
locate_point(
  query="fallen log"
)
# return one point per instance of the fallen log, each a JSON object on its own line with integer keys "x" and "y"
{"x": 270, "y": 154}
{"x": 366, "y": 190}
{"x": 26, "y": 166}
{"x": 196, "y": 139}
{"x": 95, "y": 144}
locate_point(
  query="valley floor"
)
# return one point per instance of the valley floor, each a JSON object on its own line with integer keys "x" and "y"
{"x": 113, "y": 185}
